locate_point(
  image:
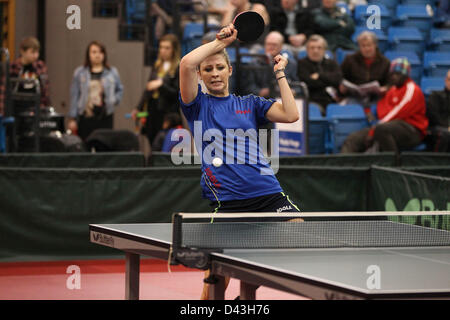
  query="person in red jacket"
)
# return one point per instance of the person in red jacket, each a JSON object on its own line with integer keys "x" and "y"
{"x": 402, "y": 121}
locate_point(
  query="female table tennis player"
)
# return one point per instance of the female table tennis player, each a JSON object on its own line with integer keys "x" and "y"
{"x": 233, "y": 186}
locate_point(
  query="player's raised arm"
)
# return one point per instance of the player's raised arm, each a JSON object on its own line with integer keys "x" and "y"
{"x": 190, "y": 62}
{"x": 286, "y": 111}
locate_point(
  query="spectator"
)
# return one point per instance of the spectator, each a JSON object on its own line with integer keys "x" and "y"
{"x": 161, "y": 92}
{"x": 162, "y": 14}
{"x": 438, "y": 112}
{"x": 401, "y": 111}
{"x": 364, "y": 66}
{"x": 334, "y": 25}
{"x": 321, "y": 75}
{"x": 293, "y": 19}
{"x": 259, "y": 80}
{"x": 95, "y": 92}
{"x": 27, "y": 67}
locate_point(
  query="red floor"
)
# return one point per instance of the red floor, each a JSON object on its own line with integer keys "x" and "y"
{"x": 105, "y": 280}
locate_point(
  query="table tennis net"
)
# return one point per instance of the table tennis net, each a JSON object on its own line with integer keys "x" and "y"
{"x": 310, "y": 234}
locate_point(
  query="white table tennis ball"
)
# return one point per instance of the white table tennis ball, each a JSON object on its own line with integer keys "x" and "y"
{"x": 217, "y": 162}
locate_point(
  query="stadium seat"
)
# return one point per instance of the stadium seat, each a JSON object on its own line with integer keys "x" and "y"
{"x": 3, "y": 123}
{"x": 440, "y": 40}
{"x": 344, "y": 7}
{"x": 418, "y": 2}
{"x": 428, "y": 84}
{"x": 414, "y": 60}
{"x": 342, "y": 121}
{"x": 381, "y": 36}
{"x": 135, "y": 11}
{"x": 361, "y": 15}
{"x": 418, "y": 16}
{"x": 406, "y": 39}
{"x": 390, "y": 4}
{"x": 436, "y": 64}
{"x": 192, "y": 36}
{"x": 317, "y": 130}
{"x": 341, "y": 54}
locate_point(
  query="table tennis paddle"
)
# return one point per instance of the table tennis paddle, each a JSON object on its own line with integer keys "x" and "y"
{"x": 249, "y": 25}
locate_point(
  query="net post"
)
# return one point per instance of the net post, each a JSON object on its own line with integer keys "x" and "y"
{"x": 176, "y": 237}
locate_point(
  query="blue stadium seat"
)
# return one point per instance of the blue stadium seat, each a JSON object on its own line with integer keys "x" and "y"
{"x": 440, "y": 40}
{"x": 344, "y": 7}
{"x": 381, "y": 36}
{"x": 415, "y": 16}
{"x": 342, "y": 121}
{"x": 3, "y": 123}
{"x": 390, "y": 4}
{"x": 414, "y": 60}
{"x": 406, "y": 39}
{"x": 436, "y": 64}
{"x": 418, "y": 2}
{"x": 341, "y": 54}
{"x": 135, "y": 11}
{"x": 192, "y": 36}
{"x": 361, "y": 15}
{"x": 317, "y": 130}
{"x": 428, "y": 84}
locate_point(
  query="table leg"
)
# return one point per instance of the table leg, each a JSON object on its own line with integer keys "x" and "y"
{"x": 132, "y": 271}
{"x": 248, "y": 291}
{"x": 217, "y": 289}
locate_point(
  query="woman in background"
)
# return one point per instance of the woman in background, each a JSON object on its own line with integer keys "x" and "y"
{"x": 161, "y": 93}
{"x": 95, "y": 92}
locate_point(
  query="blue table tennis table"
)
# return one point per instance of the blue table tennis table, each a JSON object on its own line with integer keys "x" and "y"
{"x": 365, "y": 272}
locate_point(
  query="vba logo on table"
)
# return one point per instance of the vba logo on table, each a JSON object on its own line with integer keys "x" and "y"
{"x": 241, "y": 147}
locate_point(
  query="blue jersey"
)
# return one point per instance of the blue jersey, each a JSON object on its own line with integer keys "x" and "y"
{"x": 227, "y": 128}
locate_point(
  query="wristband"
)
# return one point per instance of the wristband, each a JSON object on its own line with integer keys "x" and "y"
{"x": 281, "y": 77}
{"x": 279, "y": 70}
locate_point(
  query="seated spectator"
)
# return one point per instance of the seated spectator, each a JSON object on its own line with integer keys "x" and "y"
{"x": 401, "y": 111}
{"x": 27, "y": 67}
{"x": 321, "y": 75}
{"x": 334, "y": 25}
{"x": 442, "y": 16}
{"x": 259, "y": 81}
{"x": 438, "y": 112}
{"x": 161, "y": 11}
{"x": 293, "y": 19}
{"x": 366, "y": 65}
{"x": 95, "y": 92}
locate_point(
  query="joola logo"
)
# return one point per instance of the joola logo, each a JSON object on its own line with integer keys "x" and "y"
{"x": 104, "y": 239}
{"x": 243, "y": 111}
{"x": 284, "y": 209}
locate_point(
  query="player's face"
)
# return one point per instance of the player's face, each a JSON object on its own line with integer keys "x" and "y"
{"x": 30, "y": 55}
{"x": 215, "y": 73}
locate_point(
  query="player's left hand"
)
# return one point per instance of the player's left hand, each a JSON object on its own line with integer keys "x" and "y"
{"x": 280, "y": 62}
